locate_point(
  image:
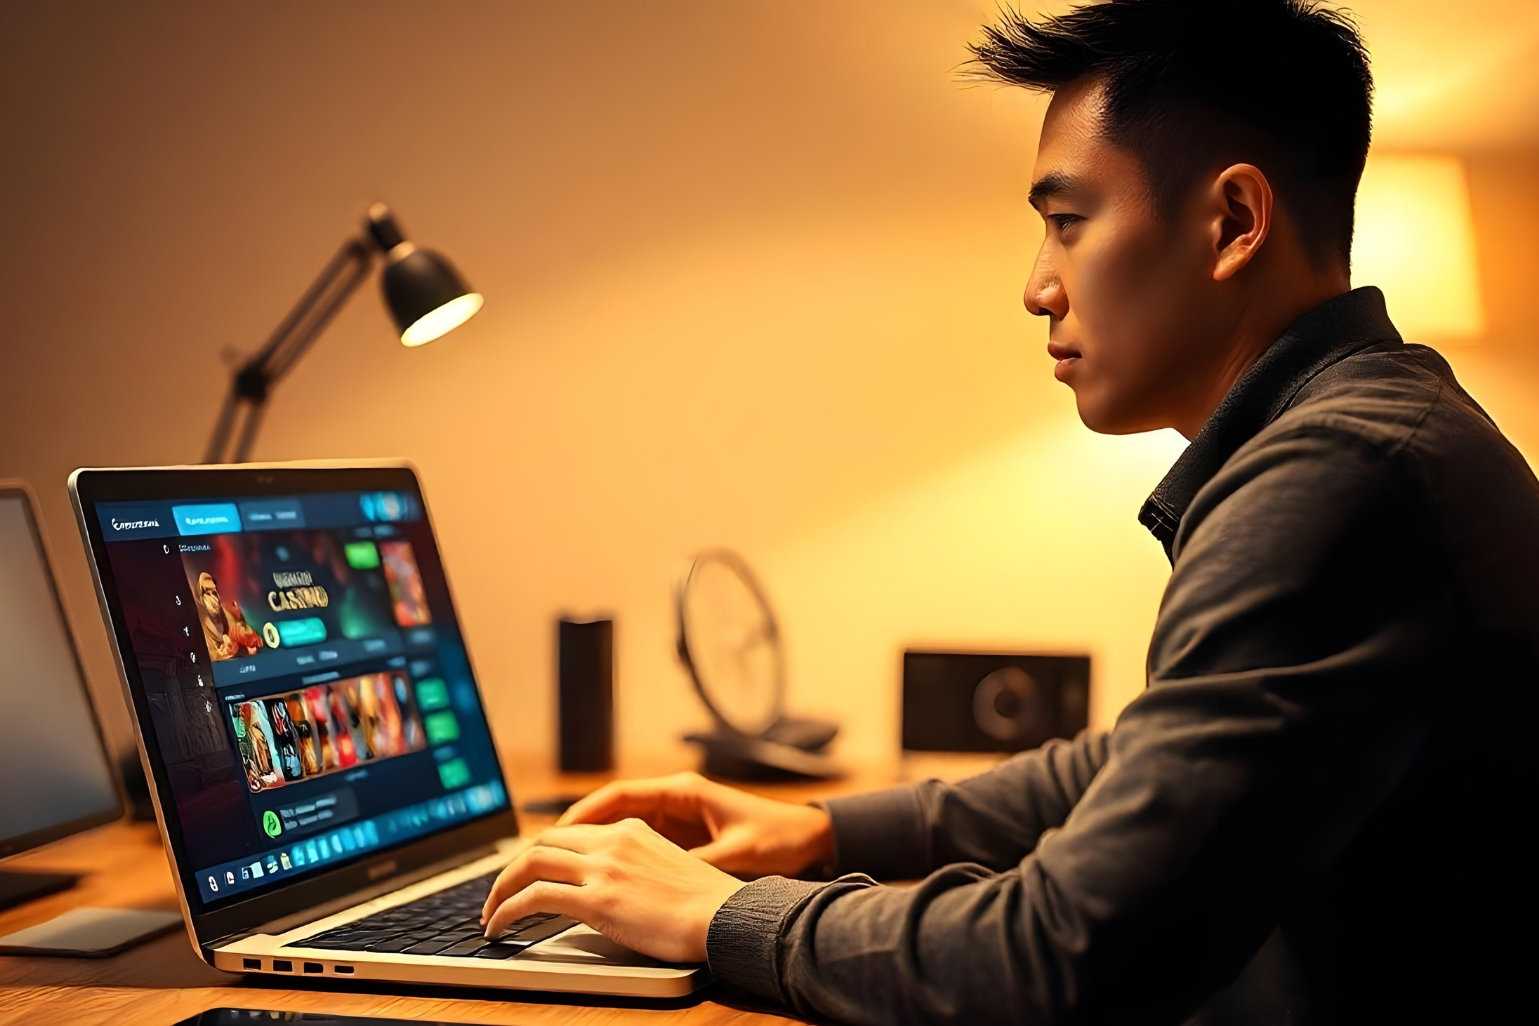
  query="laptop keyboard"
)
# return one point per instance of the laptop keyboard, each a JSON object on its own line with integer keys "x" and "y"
{"x": 446, "y": 923}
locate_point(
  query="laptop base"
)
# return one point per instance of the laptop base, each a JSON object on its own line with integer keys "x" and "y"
{"x": 20, "y": 888}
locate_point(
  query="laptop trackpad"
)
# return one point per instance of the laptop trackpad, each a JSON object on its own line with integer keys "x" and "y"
{"x": 584, "y": 944}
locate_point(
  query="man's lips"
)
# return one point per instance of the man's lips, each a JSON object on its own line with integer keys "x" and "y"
{"x": 1065, "y": 355}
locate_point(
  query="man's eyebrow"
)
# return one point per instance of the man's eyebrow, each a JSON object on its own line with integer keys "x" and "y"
{"x": 1050, "y": 184}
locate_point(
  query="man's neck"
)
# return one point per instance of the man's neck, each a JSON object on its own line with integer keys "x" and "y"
{"x": 1261, "y": 322}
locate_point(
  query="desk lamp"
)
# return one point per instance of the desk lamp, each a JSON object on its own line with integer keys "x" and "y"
{"x": 426, "y": 296}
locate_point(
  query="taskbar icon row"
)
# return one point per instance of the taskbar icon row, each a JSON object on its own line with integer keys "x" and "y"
{"x": 351, "y": 839}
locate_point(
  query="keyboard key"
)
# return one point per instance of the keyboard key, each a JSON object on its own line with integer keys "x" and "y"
{"x": 508, "y": 946}
{"x": 326, "y": 945}
{"x": 544, "y": 930}
{"x": 397, "y": 943}
{"x": 452, "y": 915}
{"x": 465, "y": 948}
{"x": 501, "y": 949}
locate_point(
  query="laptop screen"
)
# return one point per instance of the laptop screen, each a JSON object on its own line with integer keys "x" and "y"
{"x": 308, "y": 688}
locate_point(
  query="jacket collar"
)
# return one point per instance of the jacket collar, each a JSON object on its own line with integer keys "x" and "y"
{"x": 1332, "y": 331}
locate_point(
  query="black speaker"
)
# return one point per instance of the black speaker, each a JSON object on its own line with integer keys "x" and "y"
{"x": 585, "y": 695}
{"x": 987, "y": 702}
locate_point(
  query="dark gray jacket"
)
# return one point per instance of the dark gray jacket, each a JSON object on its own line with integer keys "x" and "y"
{"x": 1314, "y": 813}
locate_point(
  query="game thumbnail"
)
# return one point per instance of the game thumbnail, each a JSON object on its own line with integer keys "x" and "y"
{"x": 254, "y": 738}
{"x": 406, "y": 592}
{"x": 327, "y": 727}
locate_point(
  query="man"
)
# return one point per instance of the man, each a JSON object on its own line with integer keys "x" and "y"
{"x": 1312, "y": 813}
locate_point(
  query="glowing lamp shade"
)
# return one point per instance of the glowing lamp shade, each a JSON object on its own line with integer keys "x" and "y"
{"x": 442, "y": 320}
{"x": 425, "y": 294}
{"x": 1415, "y": 240}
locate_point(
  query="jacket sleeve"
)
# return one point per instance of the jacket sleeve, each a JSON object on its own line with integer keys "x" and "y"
{"x": 1288, "y": 692}
{"x": 993, "y": 819}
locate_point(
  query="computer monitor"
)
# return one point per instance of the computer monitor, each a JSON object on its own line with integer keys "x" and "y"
{"x": 58, "y": 780}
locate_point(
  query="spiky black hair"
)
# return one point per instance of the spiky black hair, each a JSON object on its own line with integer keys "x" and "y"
{"x": 1189, "y": 85}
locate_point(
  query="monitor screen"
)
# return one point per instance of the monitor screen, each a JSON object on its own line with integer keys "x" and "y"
{"x": 307, "y": 684}
{"x": 57, "y": 776}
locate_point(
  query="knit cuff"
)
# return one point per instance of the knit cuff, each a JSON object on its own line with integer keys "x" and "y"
{"x": 743, "y": 942}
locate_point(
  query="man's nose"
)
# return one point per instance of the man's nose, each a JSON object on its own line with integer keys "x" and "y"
{"x": 1044, "y": 292}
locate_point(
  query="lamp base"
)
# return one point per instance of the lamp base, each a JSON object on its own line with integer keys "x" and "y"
{"x": 736, "y": 757}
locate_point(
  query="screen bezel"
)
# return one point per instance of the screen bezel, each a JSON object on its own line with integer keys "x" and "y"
{"x": 91, "y": 486}
{"x": 11, "y": 846}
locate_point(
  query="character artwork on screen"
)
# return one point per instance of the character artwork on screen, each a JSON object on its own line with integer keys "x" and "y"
{"x": 261, "y": 591}
{"x": 254, "y": 737}
{"x": 326, "y": 727}
{"x": 224, "y": 625}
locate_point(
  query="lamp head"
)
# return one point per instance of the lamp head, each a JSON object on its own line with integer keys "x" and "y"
{"x": 425, "y": 293}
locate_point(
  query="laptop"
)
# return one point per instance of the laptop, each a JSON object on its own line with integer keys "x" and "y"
{"x": 327, "y": 787}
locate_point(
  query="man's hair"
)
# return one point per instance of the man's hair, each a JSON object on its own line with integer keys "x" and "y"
{"x": 1192, "y": 85}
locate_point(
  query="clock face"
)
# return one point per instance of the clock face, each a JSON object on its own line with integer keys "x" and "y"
{"x": 733, "y": 643}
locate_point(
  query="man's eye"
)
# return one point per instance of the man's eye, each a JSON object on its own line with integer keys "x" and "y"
{"x": 1064, "y": 221}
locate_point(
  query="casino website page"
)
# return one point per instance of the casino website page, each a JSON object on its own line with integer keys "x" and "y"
{"x": 308, "y": 686}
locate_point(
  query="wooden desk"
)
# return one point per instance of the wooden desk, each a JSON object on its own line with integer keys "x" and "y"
{"x": 163, "y": 982}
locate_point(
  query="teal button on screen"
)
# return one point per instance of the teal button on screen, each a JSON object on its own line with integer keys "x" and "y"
{"x": 216, "y": 518}
{"x": 301, "y": 632}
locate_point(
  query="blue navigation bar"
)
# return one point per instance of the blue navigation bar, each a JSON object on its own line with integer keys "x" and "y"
{"x": 214, "y": 518}
{"x": 369, "y": 514}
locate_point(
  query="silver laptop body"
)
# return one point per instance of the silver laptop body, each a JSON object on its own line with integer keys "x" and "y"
{"x": 326, "y": 785}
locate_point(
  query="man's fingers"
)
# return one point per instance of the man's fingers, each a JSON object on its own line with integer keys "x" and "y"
{"x": 580, "y": 837}
{"x": 540, "y": 896}
{"x": 534, "y": 863}
{"x": 540, "y": 861}
{"x": 612, "y": 802}
{"x": 675, "y": 795}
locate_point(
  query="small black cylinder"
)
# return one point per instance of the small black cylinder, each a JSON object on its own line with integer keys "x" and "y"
{"x": 585, "y": 695}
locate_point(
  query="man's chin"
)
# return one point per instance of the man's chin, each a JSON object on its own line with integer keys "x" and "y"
{"x": 1107, "y": 419}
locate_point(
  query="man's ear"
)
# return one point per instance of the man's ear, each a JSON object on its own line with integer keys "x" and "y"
{"x": 1242, "y": 218}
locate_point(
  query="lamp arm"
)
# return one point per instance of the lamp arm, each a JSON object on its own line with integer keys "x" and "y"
{"x": 252, "y": 382}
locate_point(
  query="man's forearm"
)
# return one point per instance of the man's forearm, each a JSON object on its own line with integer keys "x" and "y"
{"x": 993, "y": 819}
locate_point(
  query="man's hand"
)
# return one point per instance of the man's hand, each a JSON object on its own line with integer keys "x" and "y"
{"x": 734, "y": 831}
{"x": 635, "y": 887}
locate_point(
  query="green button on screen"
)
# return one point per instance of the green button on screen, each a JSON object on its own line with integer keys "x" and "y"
{"x": 441, "y": 727}
{"x": 271, "y": 824}
{"x": 361, "y": 555}
{"x": 432, "y": 694}
{"x": 454, "y": 774}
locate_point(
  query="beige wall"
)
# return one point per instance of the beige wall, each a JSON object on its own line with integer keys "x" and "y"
{"x": 752, "y": 277}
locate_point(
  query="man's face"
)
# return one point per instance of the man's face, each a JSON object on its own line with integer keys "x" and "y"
{"x": 1134, "y": 318}
{"x": 211, "y": 599}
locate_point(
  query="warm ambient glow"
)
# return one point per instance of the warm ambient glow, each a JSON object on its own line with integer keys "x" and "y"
{"x": 1415, "y": 239}
{"x": 442, "y": 320}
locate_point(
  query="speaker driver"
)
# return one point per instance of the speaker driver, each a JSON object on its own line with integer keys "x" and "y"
{"x": 1008, "y": 705}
